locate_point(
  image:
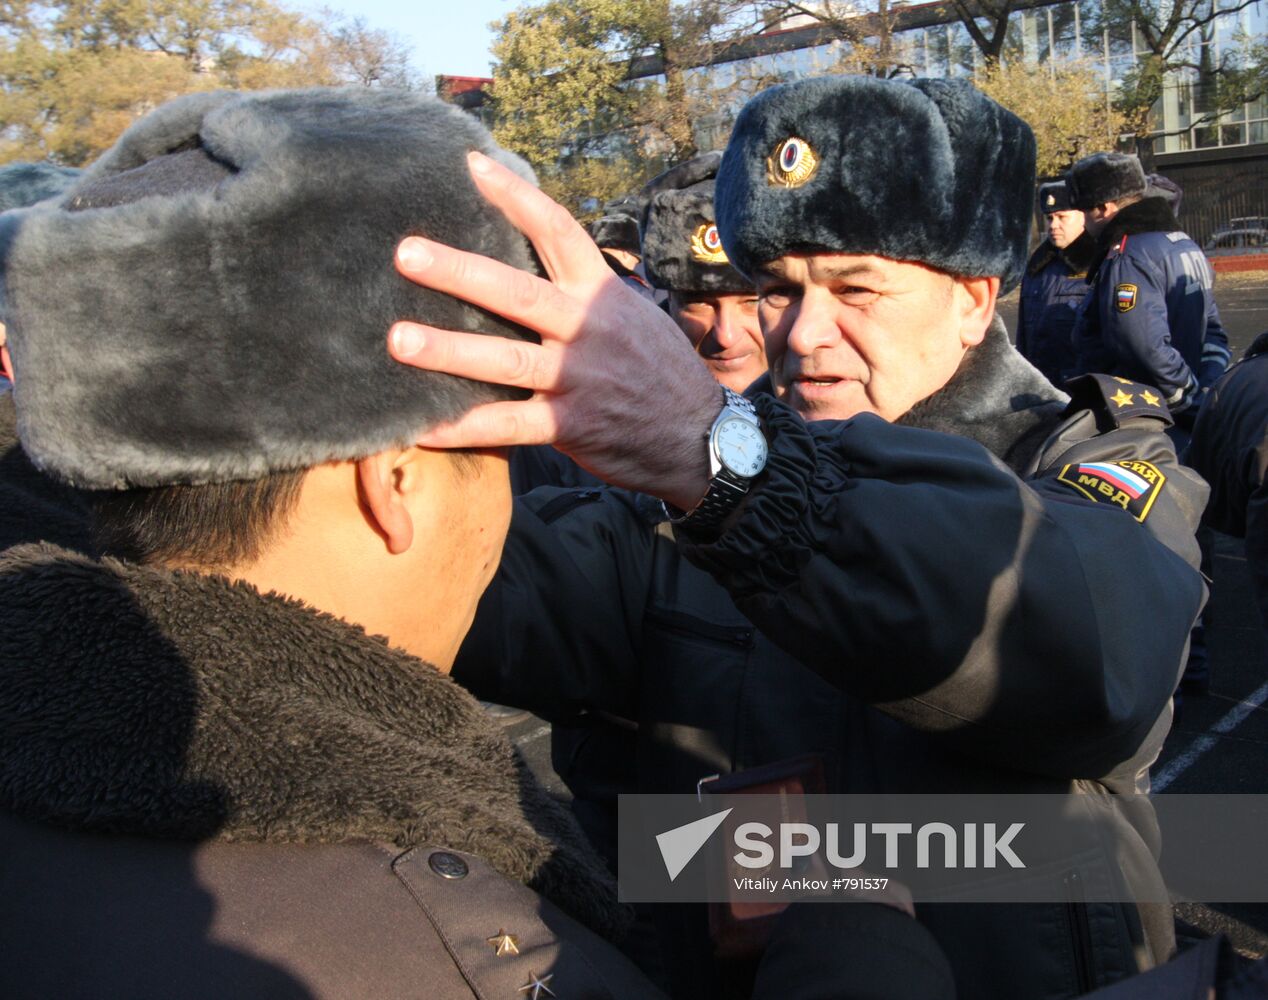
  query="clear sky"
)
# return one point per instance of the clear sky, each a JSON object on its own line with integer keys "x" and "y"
{"x": 448, "y": 36}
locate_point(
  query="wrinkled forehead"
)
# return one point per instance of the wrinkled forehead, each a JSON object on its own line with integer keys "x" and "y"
{"x": 834, "y": 268}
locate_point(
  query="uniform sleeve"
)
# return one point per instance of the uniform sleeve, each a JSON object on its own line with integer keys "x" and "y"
{"x": 1025, "y": 623}
{"x": 1133, "y": 314}
{"x": 1215, "y": 351}
{"x": 558, "y": 629}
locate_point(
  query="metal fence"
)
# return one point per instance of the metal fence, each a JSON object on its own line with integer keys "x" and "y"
{"x": 1218, "y": 188}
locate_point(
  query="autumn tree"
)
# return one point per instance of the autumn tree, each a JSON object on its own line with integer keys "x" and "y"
{"x": 599, "y": 94}
{"x": 1064, "y": 104}
{"x": 1174, "y": 45}
{"x": 75, "y": 73}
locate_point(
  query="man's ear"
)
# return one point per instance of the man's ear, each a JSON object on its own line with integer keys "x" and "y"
{"x": 382, "y": 483}
{"x": 976, "y": 302}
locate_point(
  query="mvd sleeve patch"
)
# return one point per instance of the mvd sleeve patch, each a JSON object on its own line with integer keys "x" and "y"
{"x": 1125, "y": 297}
{"x": 1132, "y": 485}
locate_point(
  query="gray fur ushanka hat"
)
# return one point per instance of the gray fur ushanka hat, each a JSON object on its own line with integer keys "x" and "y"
{"x": 681, "y": 248}
{"x": 212, "y": 300}
{"x": 931, "y": 171}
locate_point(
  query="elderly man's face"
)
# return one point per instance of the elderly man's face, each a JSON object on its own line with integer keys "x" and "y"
{"x": 1065, "y": 227}
{"x": 849, "y": 334}
{"x": 725, "y": 332}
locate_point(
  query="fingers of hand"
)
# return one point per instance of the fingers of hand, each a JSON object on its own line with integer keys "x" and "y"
{"x": 476, "y": 356}
{"x": 565, "y": 249}
{"x": 501, "y": 289}
{"x": 496, "y": 425}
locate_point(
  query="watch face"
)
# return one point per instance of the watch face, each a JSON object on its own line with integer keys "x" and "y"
{"x": 741, "y": 447}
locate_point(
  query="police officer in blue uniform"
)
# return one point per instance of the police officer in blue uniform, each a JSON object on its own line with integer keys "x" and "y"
{"x": 1150, "y": 314}
{"x": 1054, "y": 285}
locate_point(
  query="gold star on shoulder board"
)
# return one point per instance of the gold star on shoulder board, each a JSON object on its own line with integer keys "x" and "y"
{"x": 1122, "y": 398}
{"x": 504, "y": 944}
{"x": 536, "y": 987}
{"x": 1150, "y": 398}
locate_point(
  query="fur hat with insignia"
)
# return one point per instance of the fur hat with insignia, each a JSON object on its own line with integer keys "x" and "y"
{"x": 681, "y": 248}
{"x": 1105, "y": 177}
{"x": 917, "y": 170}
{"x": 23, "y": 184}
{"x": 211, "y": 301}
{"x": 1054, "y": 197}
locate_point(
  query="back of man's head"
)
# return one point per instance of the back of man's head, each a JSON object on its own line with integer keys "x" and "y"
{"x": 206, "y": 311}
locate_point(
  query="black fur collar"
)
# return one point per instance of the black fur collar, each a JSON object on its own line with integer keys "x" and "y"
{"x": 182, "y": 706}
{"x": 1149, "y": 215}
{"x": 1078, "y": 256}
{"x": 997, "y": 398}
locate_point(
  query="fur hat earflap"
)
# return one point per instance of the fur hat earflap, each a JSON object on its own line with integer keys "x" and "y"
{"x": 1054, "y": 197}
{"x": 23, "y": 184}
{"x": 681, "y": 248}
{"x": 1105, "y": 177}
{"x": 211, "y": 300}
{"x": 916, "y": 170}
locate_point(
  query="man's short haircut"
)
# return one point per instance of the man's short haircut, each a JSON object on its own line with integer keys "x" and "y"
{"x": 211, "y": 526}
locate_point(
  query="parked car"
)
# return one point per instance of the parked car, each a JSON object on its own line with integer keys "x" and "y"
{"x": 1239, "y": 236}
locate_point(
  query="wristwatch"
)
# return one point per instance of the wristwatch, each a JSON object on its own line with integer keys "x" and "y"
{"x": 737, "y": 456}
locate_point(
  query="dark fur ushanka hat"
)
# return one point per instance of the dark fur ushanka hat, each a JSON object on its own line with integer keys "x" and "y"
{"x": 931, "y": 171}
{"x": 212, "y": 300}
{"x": 681, "y": 248}
{"x": 616, "y": 232}
{"x": 1054, "y": 197}
{"x": 1104, "y": 177}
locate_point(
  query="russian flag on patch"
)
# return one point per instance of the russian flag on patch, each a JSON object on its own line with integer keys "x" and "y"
{"x": 1133, "y": 485}
{"x": 1125, "y": 295}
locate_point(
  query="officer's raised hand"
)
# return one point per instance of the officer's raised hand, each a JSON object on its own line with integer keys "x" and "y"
{"x": 614, "y": 382}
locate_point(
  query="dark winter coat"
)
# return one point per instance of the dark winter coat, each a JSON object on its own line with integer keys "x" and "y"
{"x": 1052, "y": 289}
{"x": 1150, "y": 315}
{"x": 209, "y": 792}
{"x": 855, "y": 609}
{"x": 1229, "y": 448}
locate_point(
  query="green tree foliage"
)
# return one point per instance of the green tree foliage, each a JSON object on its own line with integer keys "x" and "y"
{"x": 598, "y": 95}
{"x": 74, "y": 74}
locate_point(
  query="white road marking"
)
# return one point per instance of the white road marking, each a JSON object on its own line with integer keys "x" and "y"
{"x": 1234, "y": 718}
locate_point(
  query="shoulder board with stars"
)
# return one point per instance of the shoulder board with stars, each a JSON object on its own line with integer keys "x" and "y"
{"x": 1116, "y": 400}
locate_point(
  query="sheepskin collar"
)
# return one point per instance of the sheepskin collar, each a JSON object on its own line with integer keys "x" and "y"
{"x": 1077, "y": 256}
{"x": 180, "y": 706}
{"x": 996, "y": 398}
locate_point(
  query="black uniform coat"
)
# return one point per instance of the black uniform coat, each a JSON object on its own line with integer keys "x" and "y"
{"x": 1052, "y": 289}
{"x": 902, "y": 601}
{"x": 1230, "y": 449}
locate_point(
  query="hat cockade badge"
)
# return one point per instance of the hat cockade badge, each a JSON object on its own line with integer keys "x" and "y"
{"x": 706, "y": 245}
{"x": 1052, "y": 199}
{"x": 792, "y": 164}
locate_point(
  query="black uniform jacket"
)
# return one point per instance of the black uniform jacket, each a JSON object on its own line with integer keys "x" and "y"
{"x": 930, "y": 615}
{"x": 1230, "y": 449}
